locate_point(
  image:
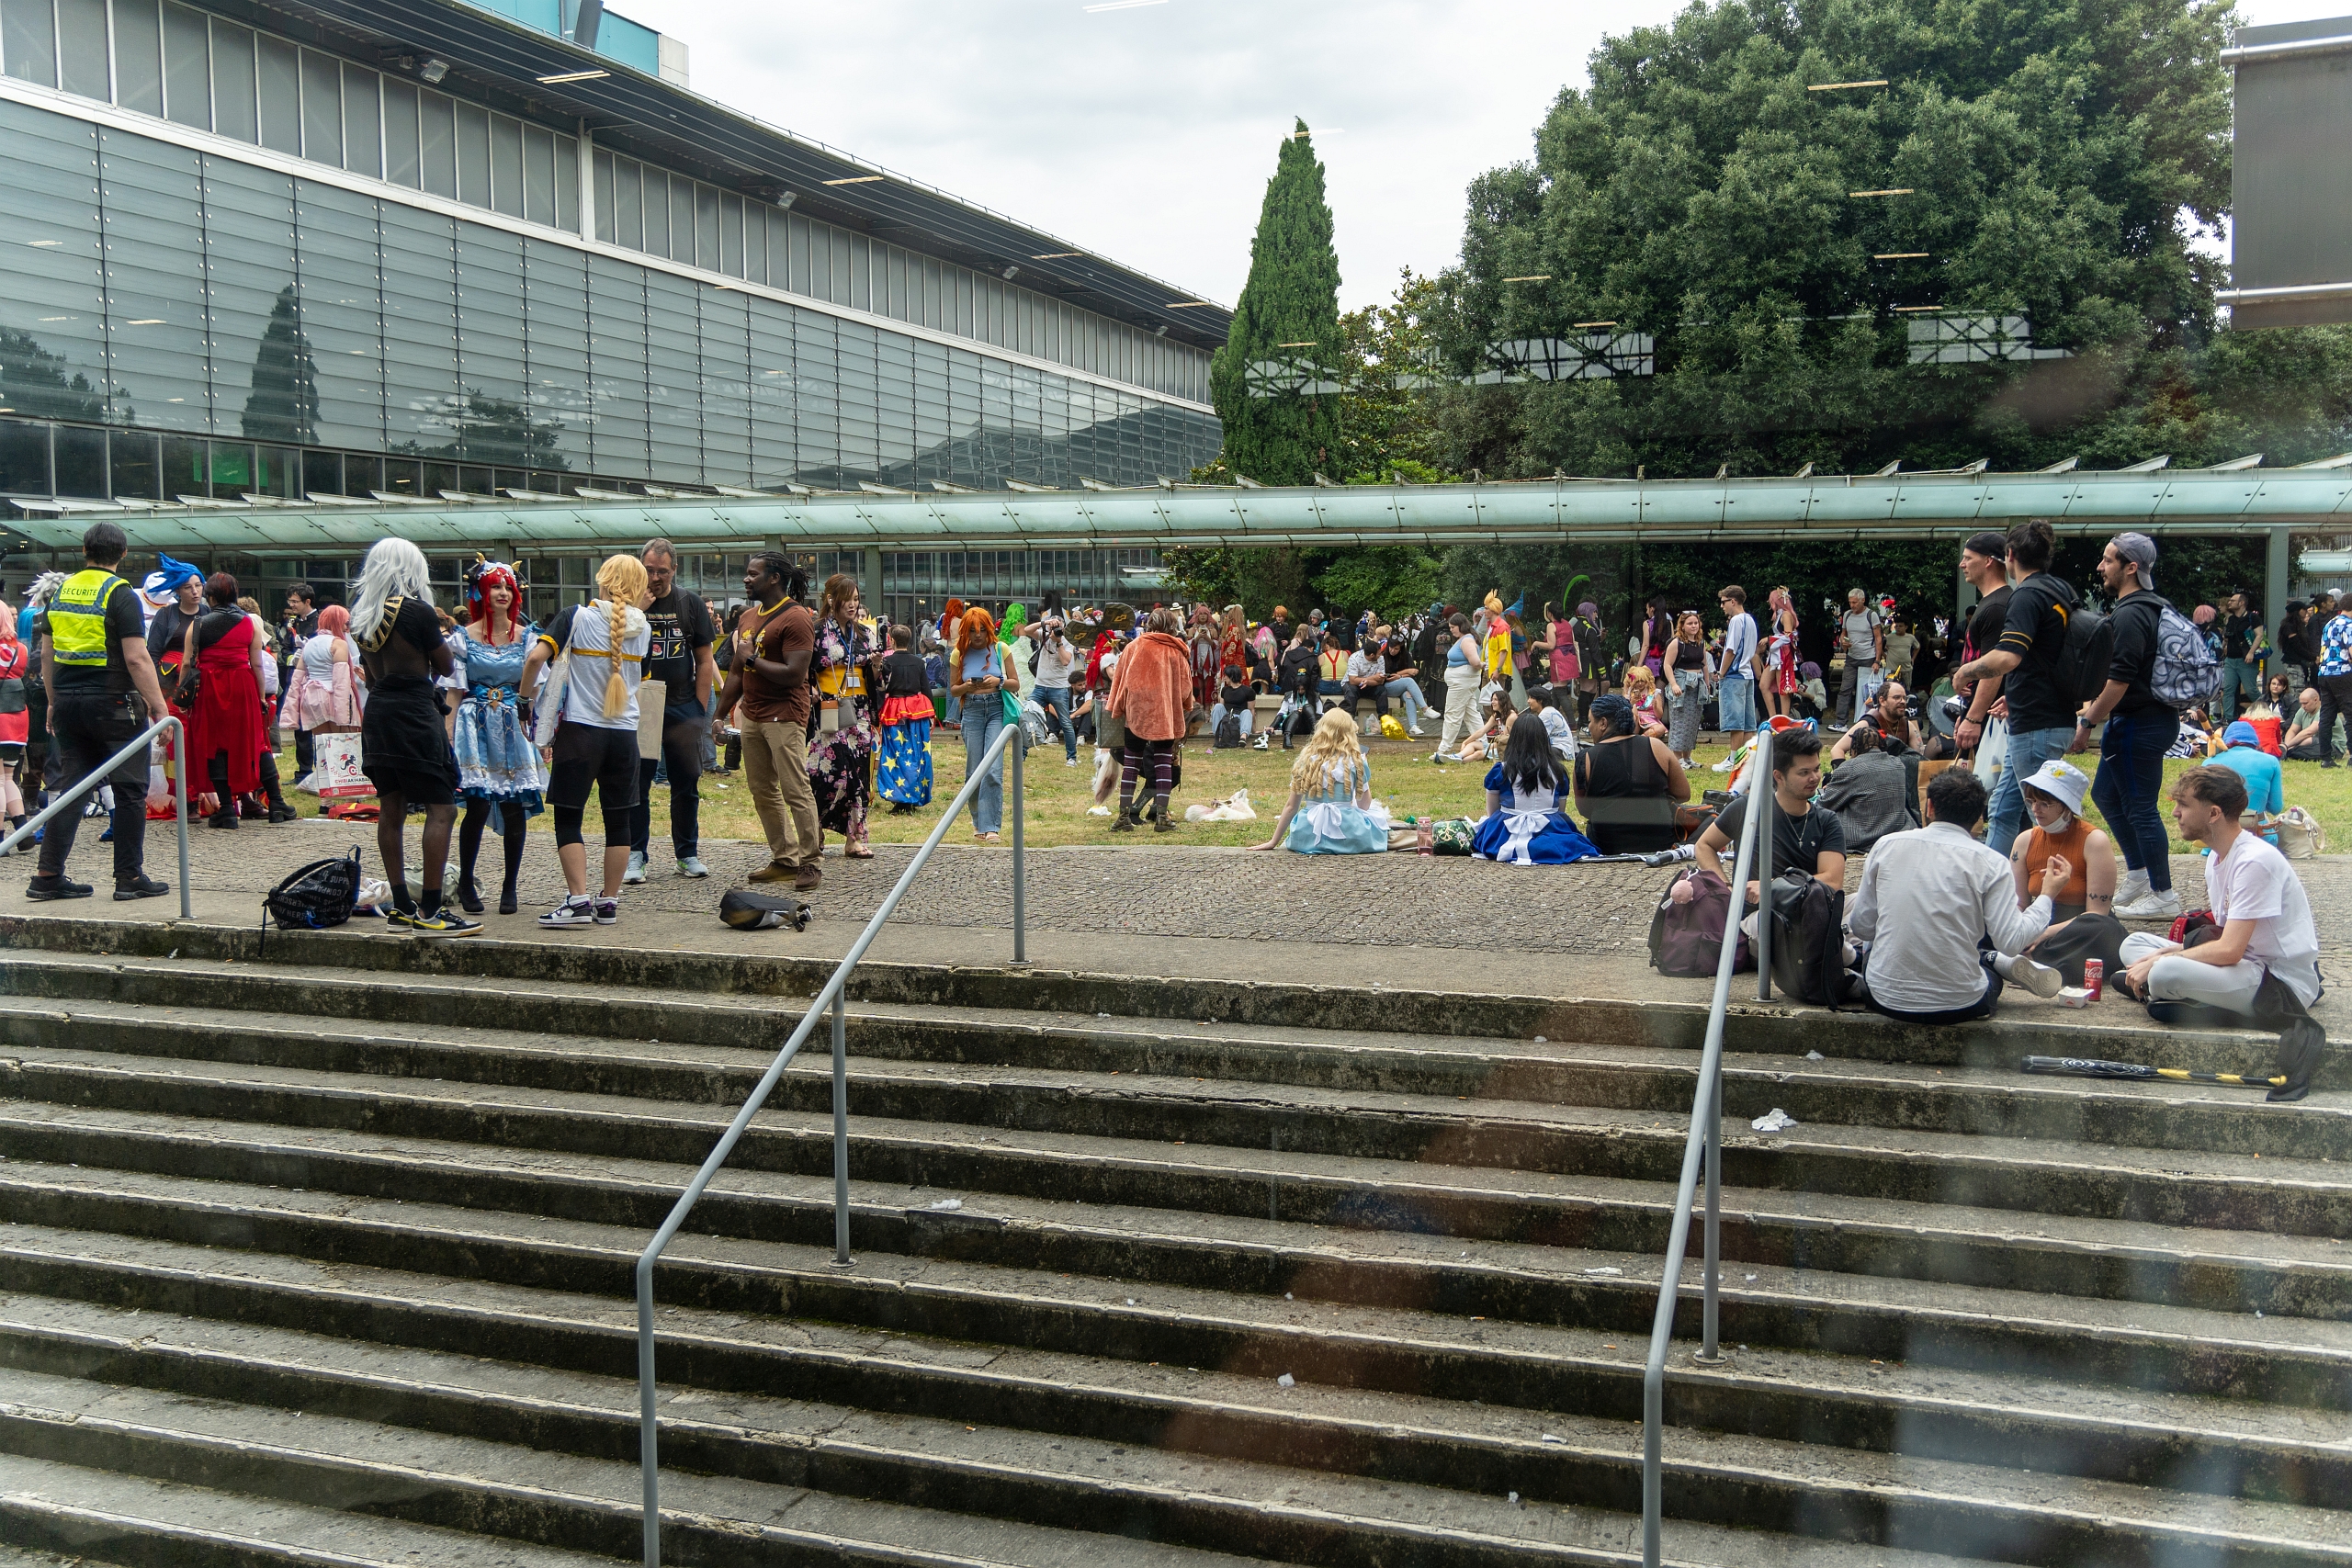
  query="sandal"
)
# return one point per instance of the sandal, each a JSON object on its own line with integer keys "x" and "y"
{"x": 859, "y": 851}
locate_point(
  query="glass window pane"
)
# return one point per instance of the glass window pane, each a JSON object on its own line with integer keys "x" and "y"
{"x": 363, "y": 123}
{"x": 706, "y": 253}
{"x": 616, "y": 375}
{"x": 401, "y": 160}
{"x": 554, "y": 284}
{"x": 420, "y": 329}
{"x": 861, "y": 277}
{"x": 725, "y": 397}
{"x": 187, "y": 67}
{"x": 51, "y": 311}
{"x": 674, "y": 359}
{"x": 135, "y": 474}
{"x": 539, "y": 174}
{"x": 81, "y": 49}
{"x": 603, "y": 197}
{"x": 473, "y": 154}
{"x": 183, "y": 467}
{"x": 730, "y": 235}
{"x": 798, "y": 256}
{"x": 155, "y": 275}
{"x": 234, "y": 110}
{"x": 281, "y": 94}
{"x": 322, "y": 108}
{"x": 838, "y": 288}
{"x": 437, "y": 137}
{"x": 28, "y": 40}
{"x": 343, "y": 324}
{"x": 682, "y": 216}
{"x": 490, "y": 344}
{"x": 81, "y": 459}
{"x": 771, "y": 391}
{"x": 816, "y": 397}
{"x": 657, "y": 210}
{"x": 506, "y": 166}
{"x": 628, "y": 204}
{"x": 261, "y": 387}
{"x": 138, "y": 56}
{"x": 567, "y": 184}
{"x": 24, "y": 457}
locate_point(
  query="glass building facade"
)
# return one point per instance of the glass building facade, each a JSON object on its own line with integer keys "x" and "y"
{"x": 232, "y": 263}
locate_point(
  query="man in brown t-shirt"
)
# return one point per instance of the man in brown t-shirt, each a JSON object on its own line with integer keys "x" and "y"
{"x": 770, "y": 678}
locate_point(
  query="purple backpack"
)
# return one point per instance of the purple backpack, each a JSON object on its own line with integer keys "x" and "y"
{"x": 1688, "y": 939}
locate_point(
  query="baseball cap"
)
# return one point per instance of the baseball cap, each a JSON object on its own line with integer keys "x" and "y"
{"x": 1989, "y": 544}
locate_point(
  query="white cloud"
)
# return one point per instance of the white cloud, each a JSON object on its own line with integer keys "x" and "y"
{"x": 1147, "y": 133}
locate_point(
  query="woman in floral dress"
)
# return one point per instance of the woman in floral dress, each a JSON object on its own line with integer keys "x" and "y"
{"x": 841, "y": 760}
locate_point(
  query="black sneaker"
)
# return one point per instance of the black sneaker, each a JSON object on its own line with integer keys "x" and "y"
{"x": 443, "y": 921}
{"x": 145, "y": 887}
{"x": 61, "y": 888}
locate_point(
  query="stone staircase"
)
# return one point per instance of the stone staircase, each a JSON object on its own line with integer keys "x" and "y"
{"x": 326, "y": 1259}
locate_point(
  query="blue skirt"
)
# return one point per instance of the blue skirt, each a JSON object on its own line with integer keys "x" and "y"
{"x": 904, "y": 776}
{"x": 1531, "y": 837}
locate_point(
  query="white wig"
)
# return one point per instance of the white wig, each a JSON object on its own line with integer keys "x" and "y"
{"x": 394, "y": 568}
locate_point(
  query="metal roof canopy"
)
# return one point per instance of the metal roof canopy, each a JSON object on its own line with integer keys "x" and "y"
{"x": 680, "y": 129}
{"x": 1894, "y": 506}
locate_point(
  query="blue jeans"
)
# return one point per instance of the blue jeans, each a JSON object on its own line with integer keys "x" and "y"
{"x": 2239, "y": 674}
{"x": 1409, "y": 691}
{"x": 2130, "y": 790}
{"x": 2028, "y": 751}
{"x": 1736, "y": 700}
{"x": 1055, "y": 700}
{"x": 983, "y": 717}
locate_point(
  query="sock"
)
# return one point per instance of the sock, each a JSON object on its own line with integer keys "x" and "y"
{"x": 400, "y": 900}
{"x": 430, "y": 904}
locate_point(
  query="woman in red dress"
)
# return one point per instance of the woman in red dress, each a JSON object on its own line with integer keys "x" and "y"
{"x": 17, "y": 673}
{"x": 224, "y": 652}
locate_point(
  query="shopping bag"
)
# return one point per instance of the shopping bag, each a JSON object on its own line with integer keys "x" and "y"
{"x": 336, "y": 774}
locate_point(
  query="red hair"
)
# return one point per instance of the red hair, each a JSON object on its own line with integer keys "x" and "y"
{"x": 478, "y": 605}
{"x": 977, "y": 629}
{"x": 334, "y": 620}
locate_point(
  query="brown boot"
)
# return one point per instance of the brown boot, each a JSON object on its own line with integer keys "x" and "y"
{"x": 774, "y": 871}
{"x": 808, "y": 879}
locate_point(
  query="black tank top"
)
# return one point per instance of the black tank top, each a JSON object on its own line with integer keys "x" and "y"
{"x": 1627, "y": 808}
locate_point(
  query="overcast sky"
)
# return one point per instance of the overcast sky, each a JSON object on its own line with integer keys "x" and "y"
{"x": 1146, "y": 133}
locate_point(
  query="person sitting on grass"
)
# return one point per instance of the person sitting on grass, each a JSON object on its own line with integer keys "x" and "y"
{"x": 1331, "y": 810}
{"x": 2260, "y": 961}
{"x": 1524, "y": 823}
{"x": 1543, "y": 703}
{"x": 1628, "y": 785}
{"x": 1486, "y": 742}
{"x": 2266, "y": 787}
{"x": 1641, "y": 691}
{"x": 2301, "y": 744}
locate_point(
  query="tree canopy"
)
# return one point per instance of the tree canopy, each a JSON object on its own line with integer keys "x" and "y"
{"x": 1288, "y": 309}
{"x": 2057, "y": 162}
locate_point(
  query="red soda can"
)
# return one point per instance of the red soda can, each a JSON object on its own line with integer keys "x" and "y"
{"x": 2094, "y": 973}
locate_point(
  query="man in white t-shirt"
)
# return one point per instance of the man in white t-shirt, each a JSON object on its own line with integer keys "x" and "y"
{"x": 1862, "y": 637}
{"x": 1736, "y": 675}
{"x": 2259, "y": 903}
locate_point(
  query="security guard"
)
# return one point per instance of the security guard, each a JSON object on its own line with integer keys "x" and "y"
{"x": 101, "y": 685}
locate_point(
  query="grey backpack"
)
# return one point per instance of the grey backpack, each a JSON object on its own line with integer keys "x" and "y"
{"x": 2183, "y": 671}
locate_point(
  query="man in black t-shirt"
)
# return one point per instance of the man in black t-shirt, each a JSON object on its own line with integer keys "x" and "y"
{"x": 2241, "y": 647}
{"x": 102, "y": 692}
{"x": 2140, "y": 727}
{"x": 1808, "y": 840}
{"x": 2042, "y": 716}
{"x": 1984, "y": 564}
{"x": 681, "y": 660}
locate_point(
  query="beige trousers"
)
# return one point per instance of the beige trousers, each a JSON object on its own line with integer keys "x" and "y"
{"x": 775, "y": 767}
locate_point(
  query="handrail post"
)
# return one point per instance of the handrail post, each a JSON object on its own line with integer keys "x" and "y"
{"x": 841, "y": 1131}
{"x": 832, "y": 997}
{"x": 179, "y": 750}
{"x": 1020, "y": 862}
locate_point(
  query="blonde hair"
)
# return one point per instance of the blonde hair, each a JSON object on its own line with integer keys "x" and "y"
{"x": 1638, "y": 680}
{"x": 1332, "y": 753}
{"x": 622, "y": 582}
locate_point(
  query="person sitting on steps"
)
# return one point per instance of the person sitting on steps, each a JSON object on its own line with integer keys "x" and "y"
{"x": 2082, "y": 921}
{"x": 1938, "y": 918}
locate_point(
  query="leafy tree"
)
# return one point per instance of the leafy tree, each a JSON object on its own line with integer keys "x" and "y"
{"x": 1289, "y": 311}
{"x": 2060, "y": 161}
{"x": 284, "y": 402}
{"x": 1387, "y": 357}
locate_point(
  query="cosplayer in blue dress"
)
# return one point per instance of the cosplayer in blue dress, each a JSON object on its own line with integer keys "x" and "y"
{"x": 1529, "y": 826}
{"x": 498, "y": 768}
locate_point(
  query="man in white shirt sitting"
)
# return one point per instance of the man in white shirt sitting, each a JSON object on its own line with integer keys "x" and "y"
{"x": 1939, "y": 911}
{"x": 2258, "y": 904}
{"x": 1367, "y": 677}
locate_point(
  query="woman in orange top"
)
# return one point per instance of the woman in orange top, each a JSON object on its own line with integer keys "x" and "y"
{"x": 2081, "y": 930}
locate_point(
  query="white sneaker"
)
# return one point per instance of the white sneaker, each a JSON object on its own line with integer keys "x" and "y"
{"x": 2132, "y": 889}
{"x": 571, "y": 913}
{"x": 636, "y": 871}
{"x": 2154, "y": 907}
{"x": 692, "y": 866}
{"x": 2030, "y": 975}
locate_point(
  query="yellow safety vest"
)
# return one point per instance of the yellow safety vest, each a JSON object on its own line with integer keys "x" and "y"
{"x": 77, "y": 618}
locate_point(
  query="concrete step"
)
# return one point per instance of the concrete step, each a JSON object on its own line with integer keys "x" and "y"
{"x": 598, "y": 973}
{"x": 1488, "y": 1445}
{"x": 421, "y": 1026}
{"x": 1051, "y": 1186}
{"x": 75, "y": 1517}
{"x": 543, "y": 1497}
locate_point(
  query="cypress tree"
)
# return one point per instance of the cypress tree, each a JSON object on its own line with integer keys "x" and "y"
{"x": 1291, "y": 298}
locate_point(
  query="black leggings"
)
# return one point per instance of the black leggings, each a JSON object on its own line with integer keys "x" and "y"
{"x": 1162, "y": 755}
{"x": 470, "y": 837}
{"x": 568, "y": 821}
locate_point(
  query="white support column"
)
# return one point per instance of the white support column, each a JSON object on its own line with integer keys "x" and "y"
{"x": 587, "y": 181}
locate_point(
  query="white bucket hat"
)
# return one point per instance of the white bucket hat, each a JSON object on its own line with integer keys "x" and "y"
{"x": 2063, "y": 782}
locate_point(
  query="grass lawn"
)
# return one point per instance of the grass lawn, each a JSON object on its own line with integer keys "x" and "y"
{"x": 1401, "y": 774}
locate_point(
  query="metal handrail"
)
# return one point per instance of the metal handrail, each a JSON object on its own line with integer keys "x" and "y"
{"x": 828, "y": 999}
{"x": 104, "y": 773}
{"x": 1706, "y": 1137}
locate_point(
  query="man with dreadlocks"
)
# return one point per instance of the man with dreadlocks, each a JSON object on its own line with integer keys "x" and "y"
{"x": 404, "y": 744}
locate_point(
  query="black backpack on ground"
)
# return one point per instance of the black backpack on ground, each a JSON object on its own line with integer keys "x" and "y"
{"x": 1809, "y": 942}
{"x": 744, "y": 910}
{"x": 319, "y": 895}
{"x": 1228, "y": 730}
